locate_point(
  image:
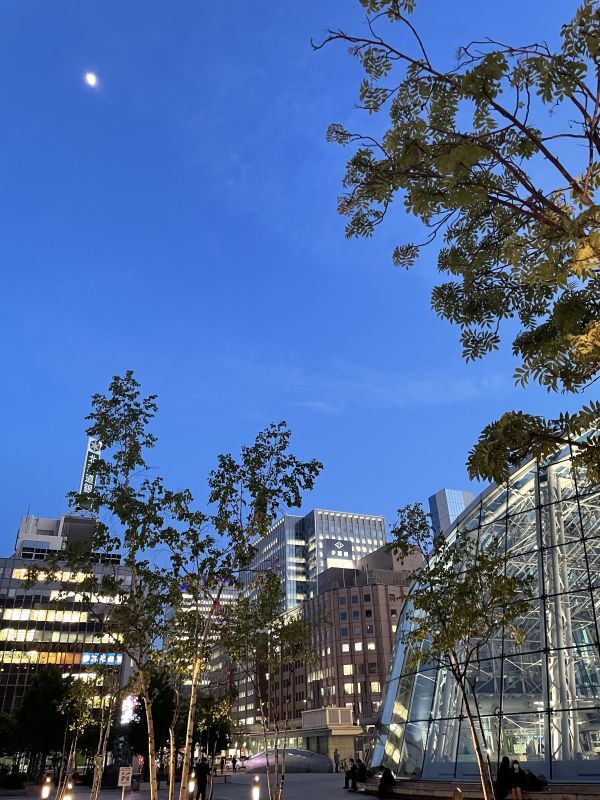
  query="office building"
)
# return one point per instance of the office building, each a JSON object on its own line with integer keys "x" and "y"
{"x": 50, "y": 623}
{"x": 298, "y": 549}
{"x": 540, "y": 699}
{"x": 446, "y": 505}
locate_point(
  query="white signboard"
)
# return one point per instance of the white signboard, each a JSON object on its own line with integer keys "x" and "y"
{"x": 125, "y": 774}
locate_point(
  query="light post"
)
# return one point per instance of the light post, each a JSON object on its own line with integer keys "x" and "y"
{"x": 256, "y": 788}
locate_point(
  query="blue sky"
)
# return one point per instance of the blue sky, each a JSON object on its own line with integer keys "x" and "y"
{"x": 180, "y": 220}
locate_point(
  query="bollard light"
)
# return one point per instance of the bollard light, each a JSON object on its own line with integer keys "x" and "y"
{"x": 256, "y": 788}
{"x": 192, "y": 784}
{"x": 46, "y": 788}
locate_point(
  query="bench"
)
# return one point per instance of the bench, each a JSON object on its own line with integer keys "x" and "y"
{"x": 407, "y": 789}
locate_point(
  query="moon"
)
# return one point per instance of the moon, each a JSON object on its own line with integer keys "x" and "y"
{"x": 91, "y": 79}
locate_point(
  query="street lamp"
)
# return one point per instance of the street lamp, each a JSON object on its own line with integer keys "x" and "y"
{"x": 256, "y": 788}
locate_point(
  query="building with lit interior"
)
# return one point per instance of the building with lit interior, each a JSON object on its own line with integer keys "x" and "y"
{"x": 50, "y": 624}
{"x": 540, "y": 700}
{"x": 298, "y": 549}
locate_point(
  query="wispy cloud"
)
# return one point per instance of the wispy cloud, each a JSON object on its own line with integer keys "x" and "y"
{"x": 345, "y": 386}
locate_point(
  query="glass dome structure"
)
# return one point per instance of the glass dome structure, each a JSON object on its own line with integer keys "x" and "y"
{"x": 540, "y": 700}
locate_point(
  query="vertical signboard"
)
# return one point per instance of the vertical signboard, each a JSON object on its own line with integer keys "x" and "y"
{"x": 88, "y": 479}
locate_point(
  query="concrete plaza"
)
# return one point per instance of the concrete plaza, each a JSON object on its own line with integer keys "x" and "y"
{"x": 298, "y": 786}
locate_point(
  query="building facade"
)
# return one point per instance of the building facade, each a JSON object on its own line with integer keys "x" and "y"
{"x": 299, "y": 549}
{"x": 51, "y": 623}
{"x": 539, "y": 700}
{"x": 446, "y": 505}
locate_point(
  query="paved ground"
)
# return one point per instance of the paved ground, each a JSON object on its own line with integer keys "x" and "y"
{"x": 297, "y": 787}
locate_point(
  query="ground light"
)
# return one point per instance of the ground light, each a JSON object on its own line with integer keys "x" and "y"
{"x": 46, "y": 788}
{"x": 256, "y": 788}
{"x": 68, "y": 795}
{"x": 192, "y": 786}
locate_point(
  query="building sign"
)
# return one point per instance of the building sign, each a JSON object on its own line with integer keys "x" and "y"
{"x": 110, "y": 659}
{"x": 88, "y": 479}
{"x": 336, "y": 551}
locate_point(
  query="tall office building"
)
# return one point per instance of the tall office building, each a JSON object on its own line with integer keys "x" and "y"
{"x": 298, "y": 549}
{"x": 446, "y": 505}
{"x": 50, "y": 623}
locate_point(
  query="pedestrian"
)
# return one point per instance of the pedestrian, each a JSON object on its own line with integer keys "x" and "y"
{"x": 517, "y": 781}
{"x": 202, "y": 772}
{"x": 502, "y": 784}
{"x": 350, "y": 774}
{"x": 385, "y": 783}
{"x": 336, "y": 759}
{"x": 360, "y": 776}
{"x": 222, "y": 764}
{"x": 233, "y": 763}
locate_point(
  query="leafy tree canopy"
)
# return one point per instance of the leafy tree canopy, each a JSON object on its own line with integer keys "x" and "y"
{"x": 499, "y": 158}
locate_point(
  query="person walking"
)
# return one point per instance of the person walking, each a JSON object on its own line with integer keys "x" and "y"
{"x": 336, "y": 759}
{"x": 517, "y": 781}
{"x": 222, "y": 764}
{"x": 202, "y": 772}
{"x": 233, "y": 763}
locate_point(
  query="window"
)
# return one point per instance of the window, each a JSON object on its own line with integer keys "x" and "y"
{"x": 394, "y": 628}
{"x": 375, "y": 687}
{"x": 348, "y": 688}
{"x": 356, "y": 615}
{"x": 367, "y": 598}
{"x": 344, "y": 631}
{"x": 342, "y": 601}
{"x": 343, "y": 615}
{"x": 375, "y": 706}
{"x": 393, "y": 613}
{"x": 392, "y": 598}
{"x": 354, "y": 598}
{"x": 372, "y": 667}
{"x": 348, "y": 669}
{"x": 370, "y": 645}
{"x": 370, "y": 629}
{"x": 358, "y": 646}
{"x": 345, "y": 647}
{"x": 368, "y": 612}
{"x": 357, "y": 630}
{"x": 360, "y": 669}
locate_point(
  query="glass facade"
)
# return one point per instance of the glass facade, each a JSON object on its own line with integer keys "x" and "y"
{"x": 446, "y": 505}
{"x": 299, "y": 549}
{"x": 540, "y": 700}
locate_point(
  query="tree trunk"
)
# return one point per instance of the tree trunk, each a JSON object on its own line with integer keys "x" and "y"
{"x": 151, "y": 741}
{"x": 185, "y": 767}
{"x": 189, "y": 733}
{"x": 487, "y": 785}
{"x": 100, "y": 757}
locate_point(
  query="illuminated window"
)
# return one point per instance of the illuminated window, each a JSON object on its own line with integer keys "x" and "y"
{"x": 348, "y": 669}
{"x": 345, "y": 647}
{"x": 370, "y": 645}
{"x": 348, "y": 688}
{"x": 375, "y": 687}
{"x": 358, "y": 646}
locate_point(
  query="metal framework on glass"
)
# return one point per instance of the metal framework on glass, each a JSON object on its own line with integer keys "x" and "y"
{"x": 540, "y": 700}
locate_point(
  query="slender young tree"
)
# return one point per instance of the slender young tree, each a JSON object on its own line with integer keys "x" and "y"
{"x": 462, "y": 598}
{"x": 259, "y": 639}
{"x": 498, "y": 157}
{"x": 173, "y": 553}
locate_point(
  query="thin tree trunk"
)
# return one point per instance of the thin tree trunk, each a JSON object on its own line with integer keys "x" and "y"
{"x": 172, "y": 748}
{"x": 185, "y": 767}
{"x": 151, "y": 739}
{"x": 100, "y": 757}
{"x": 486, "y": 783}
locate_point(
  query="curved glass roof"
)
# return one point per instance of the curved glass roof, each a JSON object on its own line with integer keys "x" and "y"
{"x": 540, "y": 700}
